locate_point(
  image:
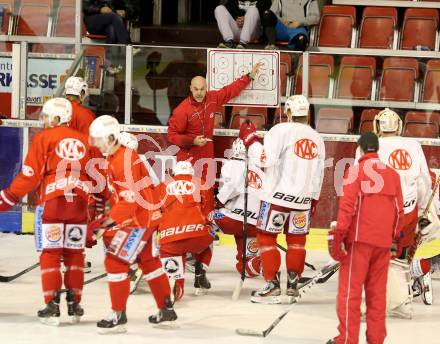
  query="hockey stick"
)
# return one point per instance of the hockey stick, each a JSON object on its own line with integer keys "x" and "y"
{"x": 5, "y": 279}
{"x": 302, "y": 290}
{"x": 418, "y": 238}
{"x": 310, "y": 266}
{"x": 237, "y": 290}
{"x": 321, "y": 280}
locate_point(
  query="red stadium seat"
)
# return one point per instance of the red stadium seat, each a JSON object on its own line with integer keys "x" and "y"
{"x": 335, "y": 120}
{"x": 421, "y": 124}
{"x": 356, "y": 76}
{"x": 34, "y": 18}
{"x": 377, "y": 28}
{"x": 65, "y": 19}
{"x": 419, "y": 28}
{"x": 366, "y": 122}
{"x": 398, "y": 80}
{"x": 431, "y": 82}
{"x": 258, "y": 115}
{"x": 320, "y": 73}
{"x": 285, "y": 71}
{"x": 336, "y": 26}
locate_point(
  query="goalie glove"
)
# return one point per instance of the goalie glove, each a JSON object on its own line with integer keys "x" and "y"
{"x": 429, "y": 227}
{"x": 7, "y": 200}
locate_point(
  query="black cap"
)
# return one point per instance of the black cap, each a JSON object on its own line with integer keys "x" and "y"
{"x": 369, "y": 142}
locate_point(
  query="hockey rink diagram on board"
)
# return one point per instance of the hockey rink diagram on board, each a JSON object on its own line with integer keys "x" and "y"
{"x": 226, "y": 66}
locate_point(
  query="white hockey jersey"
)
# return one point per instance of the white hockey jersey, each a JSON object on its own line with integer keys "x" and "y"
{"x": 406, "y": 157}
{"x": 231, "y": 191}
{"x": 293, "y": 158}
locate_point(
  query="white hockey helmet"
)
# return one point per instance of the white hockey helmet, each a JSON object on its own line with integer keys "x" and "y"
{"x": 183, "y": 167}
{"x": 387, "y": 121}
{"x": 104, "y": 133}
{"x": 73, "y": 86}
{"x": 296, "y": 106}
{"x": 128, "y": 140}
{"x": 56, "y": 107}
{"x": 238, "y": 149}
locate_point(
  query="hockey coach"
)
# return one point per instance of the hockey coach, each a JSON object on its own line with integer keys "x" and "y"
{"x": 369, "y": 220}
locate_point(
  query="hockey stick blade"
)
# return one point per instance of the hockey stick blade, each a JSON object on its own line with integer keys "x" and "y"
{"x": 246, "y": 332}
{"x": 5, "y": 279}
{"x": 237, "y": 290}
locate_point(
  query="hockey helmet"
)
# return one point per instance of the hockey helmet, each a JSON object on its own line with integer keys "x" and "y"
{"x": 56, "y": 107}
{"x": 296, "y": 106}
{"x": 238, "y": 149}
{"x": 128, "y": 140}
{"x": 73, "y": 86}
{"x": 183, "y": 167}
{"x": 104, "y": 133}
{"x": 387, "y": 121}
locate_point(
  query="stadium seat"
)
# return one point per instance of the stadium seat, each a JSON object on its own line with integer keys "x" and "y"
{"x": 65, "y": 19}
{"x": 335, "y": 120}
{"x": 257, "y": 115}
{"x": 419, "y": 28}
{"x": 94, "y": 58}
{"x": 285, "y": 72}
{"x": 421, "y": 124}
{"x": 377, "y": 30}
{"x": 336, "y": 26}
{"x": 356, "y": 77}
{"x": 366, "y": 122}
{"x": 431, "y": 82}
{"x": 398, "y": 80}
{"x": 34, "y": 18}
{"x": 320, "y": 73}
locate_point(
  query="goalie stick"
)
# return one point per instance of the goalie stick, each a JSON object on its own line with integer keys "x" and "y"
{"x": 5, "y": 279}
{"x": 328, "y": 268}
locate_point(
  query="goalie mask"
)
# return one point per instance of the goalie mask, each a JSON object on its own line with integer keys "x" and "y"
{"x": 387, "y": 121}
{"x": 296, "y": 106}
{"x": 238, "y": 149}
{"x": 56, "y": 108}
{"x": 128, "y": 140}
{"x": 104, "y": 133}
{"x": 183, "y": 167}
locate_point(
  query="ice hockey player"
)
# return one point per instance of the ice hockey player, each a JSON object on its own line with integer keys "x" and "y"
{"x": 230, "y": 198}
{"x": 76, "y": 89}
{"x": 56, "y": 163}
{"x": 128, "y": 228}
{"x": 293, "y": 158}
{"x": 405, "y": 156}
{"x": 369, "y": 220}
{"x": 184, "y": 227}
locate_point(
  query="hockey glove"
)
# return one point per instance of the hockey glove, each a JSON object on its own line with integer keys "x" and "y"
{"x": 248, "y": 133}
{"x": 336, "y": 246}
{"x": 96, "y": 206}
{"x": 7, "y": 200}
{"x": 93, "y": 228}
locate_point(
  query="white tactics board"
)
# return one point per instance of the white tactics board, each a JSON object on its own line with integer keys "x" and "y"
{"x": 226, "y": 66}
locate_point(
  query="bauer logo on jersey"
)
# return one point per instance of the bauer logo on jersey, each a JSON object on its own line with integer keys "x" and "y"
{"x": 299, "y": 222}
{"x": 181, "y": 229}
{"x": 400, "y": 160}
{"x": 180, "y": 188}
{"x": 254, "y": 180}
{"x": 27, "y": 171}
{"x": 306, "y": 149}
{"x": 71, "y": 149}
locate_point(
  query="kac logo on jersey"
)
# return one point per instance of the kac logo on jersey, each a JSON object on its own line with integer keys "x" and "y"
{"x": 254, "y": 180}
{"x": 306, "y": 149}
{"x": 180, "y": 188}
{"x": 70, "y": 149}
{"x": 400, "y": 160}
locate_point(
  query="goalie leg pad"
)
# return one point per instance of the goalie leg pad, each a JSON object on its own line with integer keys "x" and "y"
{"x": 399, "y": 290}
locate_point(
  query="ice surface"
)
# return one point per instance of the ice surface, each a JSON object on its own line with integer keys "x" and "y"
{"x": 208, "y": 319}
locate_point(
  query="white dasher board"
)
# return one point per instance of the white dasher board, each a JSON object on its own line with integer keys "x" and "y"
{"x": 226, "y": 66}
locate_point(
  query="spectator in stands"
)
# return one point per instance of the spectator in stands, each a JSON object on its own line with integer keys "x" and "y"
{"x": 290, "y": 20}
{"x": 106, "y": 17}
{"x": 240, "y": 21}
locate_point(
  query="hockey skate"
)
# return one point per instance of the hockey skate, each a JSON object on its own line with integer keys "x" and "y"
{"x": 74, "y": 309}
{"x": 292, "y": 287}
{"x": 269, "y": 294}
{"x": 165, "y": 315}
{"x": 201, "y": 283}
{"x": 423, "y": 287}
{"x": 113, "y": 324}
{"x": 50, "y": 315}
